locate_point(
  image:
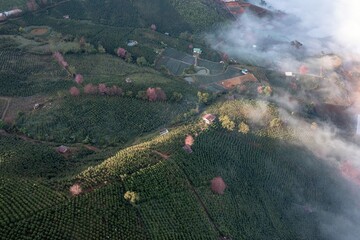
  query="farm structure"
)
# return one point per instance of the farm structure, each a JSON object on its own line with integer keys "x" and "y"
{"x": 8, "y": 14}
{"x": 237, "y": 8}
{"x": 236, "y": 81}
{"x": 209, "y": 118}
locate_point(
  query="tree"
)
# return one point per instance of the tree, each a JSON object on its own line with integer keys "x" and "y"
{"x": 128, "y": 58}
{"x": 102, "y": 88}
{"x": 79, "y": 79}
{"x": 75, "y": 189}
{"x": 189, "y": 140}
{"x": 151, "y": 94}
{"x": 121, "y": 52}
{"x": 141, "y": 95}
{"x": 74, "y": 91}
{"x": 101, "y": 49}
{"x": 82, "y": 42}
{"x": 203, "y": 97}
{"x": 227, "y": 123}
{"x": 90, "y": 89}
{"x": 141, "y": 61}
{"x": 115, "y": 90}
{"x": 275, "y": 123}
{"x": 32, "y": 5}
{"x": 153, "y": 27}
{"x": 267, "y": 91}
{"x": 218, "y": 185}
{"x": 176, "y": 97}
{"x": 243, "y": 128}
{"x": 132, "y": 197}
{"x": 130, "y": 94}
{"x": 303, "y": 70}
{"x": 155, "y": 94}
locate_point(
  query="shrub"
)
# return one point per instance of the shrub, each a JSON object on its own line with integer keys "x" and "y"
{"x": 218, "y": 185}
{"x": 74, "y": 91}
{"x": 227, "y": 123}
{"x": 132, "y": 197}
{"x": 243, "y": 128}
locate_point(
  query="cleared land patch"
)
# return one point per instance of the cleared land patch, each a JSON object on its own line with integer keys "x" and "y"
{"x": 39, "y": 31}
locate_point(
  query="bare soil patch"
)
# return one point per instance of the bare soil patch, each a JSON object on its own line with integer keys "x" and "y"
{"x": 39, "y": 31}
{"x": 24, "y": 104}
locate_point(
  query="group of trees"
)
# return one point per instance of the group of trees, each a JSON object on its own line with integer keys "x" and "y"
{"x": 264, "y": 90}
{"x": 100, "y": 89}
{"x": 230, "y": 125}
{"x": 151, "y": 94}
{"x": 124, "y": 54}
{"x": 60, "y": 59}
{"x": 155, "y": 94}
{"x": 132, "y": 197}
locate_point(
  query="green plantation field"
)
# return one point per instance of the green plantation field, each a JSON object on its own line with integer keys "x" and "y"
{"x": 126, "y": 172}
{"x": 20, "y": 199}
{"x": 143, "y": 14}
{"x": 175, "y": 199}
{"x": 24, "y": 74}
{"x": 102, "y": 120}
{"x": 102, "y": 214}
{"x": 24, "y": 158}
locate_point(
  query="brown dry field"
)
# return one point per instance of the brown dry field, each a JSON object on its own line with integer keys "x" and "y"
{"x": 39, "y": 31}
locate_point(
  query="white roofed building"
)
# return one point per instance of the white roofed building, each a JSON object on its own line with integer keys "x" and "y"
{"x": 13, "y": 12}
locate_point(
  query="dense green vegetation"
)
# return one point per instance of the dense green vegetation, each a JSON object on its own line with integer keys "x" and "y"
{"x": 24, "y": 74}
{"x": 124, "y": 176}
{"x": 194, "y": 15}
{"x": 100, "y": 214}
{"x": 99, "y": 120}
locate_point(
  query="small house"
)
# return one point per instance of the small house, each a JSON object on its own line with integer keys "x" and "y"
{"x": 197, "y": 51}
{"x": 164, "y": 131}
{"x": 13, "y": 12}
{"x": 38, "y": 106}
{"x": 128, "y": 80}
{"x": 2, "y": 17}
{"x": 62, "y": 149}
{"x": 209, "y": 118}
{"x": 289, "y": 74}
{"x": 66, "y": 17}
{"x": 132, "y": 43}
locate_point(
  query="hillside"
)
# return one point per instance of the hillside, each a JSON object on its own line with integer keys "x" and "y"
{"x": 114, "y": 126}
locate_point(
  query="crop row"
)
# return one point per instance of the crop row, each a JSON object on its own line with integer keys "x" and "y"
{"x": 101, "y": 120}
{"x": 176, "y": 214}
{"x": 157, "y": 181}
{"x": 102, "y": 214}
{"x": 21, "y": 198}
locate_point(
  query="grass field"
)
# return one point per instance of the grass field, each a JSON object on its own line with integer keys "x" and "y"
{"x": 8, "y": 5}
